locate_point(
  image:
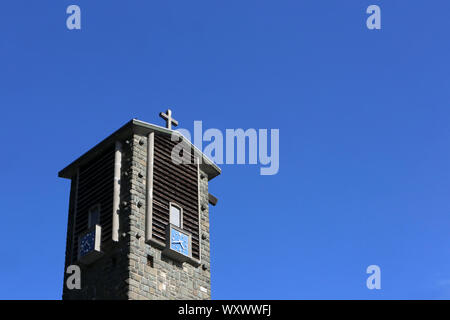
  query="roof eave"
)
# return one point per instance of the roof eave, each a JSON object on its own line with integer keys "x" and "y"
{"x": 138, "y": 127}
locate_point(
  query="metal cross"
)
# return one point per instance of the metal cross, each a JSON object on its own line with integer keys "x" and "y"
{"x": 169, "y": 120}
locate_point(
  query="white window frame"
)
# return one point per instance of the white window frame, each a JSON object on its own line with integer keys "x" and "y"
{"x": 180, "y": 208}
{"x": 91, "y": 209}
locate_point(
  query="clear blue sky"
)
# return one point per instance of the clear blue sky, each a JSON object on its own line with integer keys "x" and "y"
{"x": 364, "y": 135}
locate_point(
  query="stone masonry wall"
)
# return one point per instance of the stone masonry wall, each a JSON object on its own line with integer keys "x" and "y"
{"x": 105, "y": 279}
{"x": 163, "y": 278}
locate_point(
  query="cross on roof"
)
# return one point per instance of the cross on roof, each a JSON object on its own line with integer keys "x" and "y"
{"x": 169, "y": 120}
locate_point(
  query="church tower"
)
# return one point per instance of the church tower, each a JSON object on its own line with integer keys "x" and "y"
{"x": 138, "y": 223}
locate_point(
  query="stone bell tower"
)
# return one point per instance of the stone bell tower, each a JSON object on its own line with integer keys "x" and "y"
{"x": 138, "y": 223}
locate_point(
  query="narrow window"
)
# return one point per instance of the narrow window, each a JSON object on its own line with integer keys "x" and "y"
{"x": 94, "y": 216}
{"x": 175, "y": 215}
{"x": 150, "y": 261}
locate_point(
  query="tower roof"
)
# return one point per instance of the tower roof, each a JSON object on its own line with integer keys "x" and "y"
{"x": 135, "y": 126}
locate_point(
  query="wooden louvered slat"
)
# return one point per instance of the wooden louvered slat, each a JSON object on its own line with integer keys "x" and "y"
{"x": 95, "y": 187}
{"x": 165, "y": 194}
{"x": 178, "y": 184}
